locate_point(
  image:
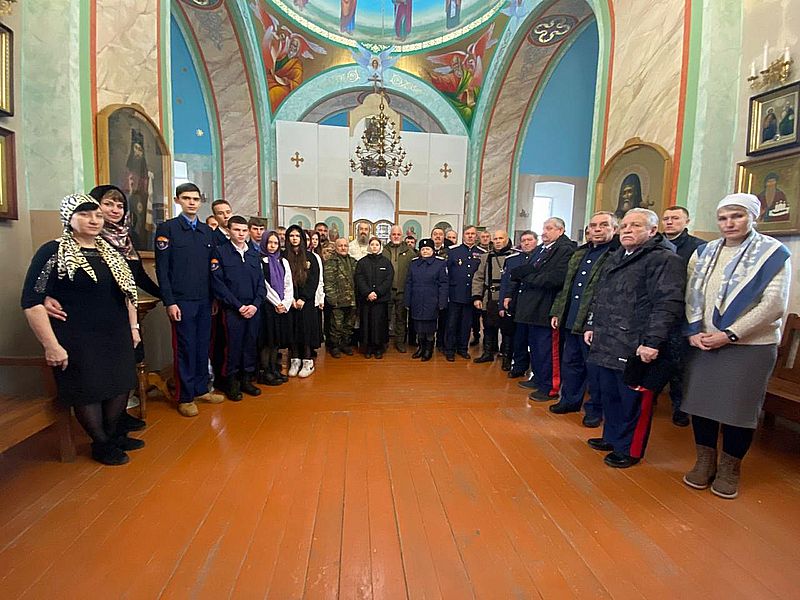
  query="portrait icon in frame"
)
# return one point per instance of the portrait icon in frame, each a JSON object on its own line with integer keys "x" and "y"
{"x": 773, "y": 120}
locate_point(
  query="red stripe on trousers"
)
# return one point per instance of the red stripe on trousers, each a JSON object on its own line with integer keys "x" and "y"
{"x": 176, "y": 369}
{"x": 642, "y": 424}
{"x": 556, "y": 363}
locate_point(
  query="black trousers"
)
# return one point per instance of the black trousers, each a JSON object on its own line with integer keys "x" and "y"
{"x": 459, "y": 323}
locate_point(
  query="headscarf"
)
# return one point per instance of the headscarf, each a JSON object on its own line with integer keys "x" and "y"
{"x": 70, "y": 259}
{"x": 275, "y": 263}
{"x": 749, "y": 202}
{"x": 117, "y": 234}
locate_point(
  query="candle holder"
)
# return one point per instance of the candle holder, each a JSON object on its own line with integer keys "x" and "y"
{"x": 777, "y": 73}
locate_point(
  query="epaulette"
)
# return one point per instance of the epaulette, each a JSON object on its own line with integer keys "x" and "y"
{"x": 416, "y": 257}
{"x": 439, "y": 257}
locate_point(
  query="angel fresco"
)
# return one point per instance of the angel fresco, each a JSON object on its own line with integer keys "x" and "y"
{"x": 517, "y": 9}
{"x": 461, "y": 75}
{"x": 282, "y": 51}
{"x": 374, "y": 64}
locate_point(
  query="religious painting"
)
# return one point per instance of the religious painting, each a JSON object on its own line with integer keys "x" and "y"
{"x": 776, "y": 182}
{"x": 452, "y": 13}
{"x": 459, "y": 76}
{"x": 403, "y": 10}
{"x": 638, "y": 176}
{"x": 416, "y": 225}
{"x": 6, "y": 71}
{"x": 292, "y": 215}
{"x": 132, "y": 155}
{"x": 335, "y": 220}
{"x": 8, "y": 176}
{"x": 347, "y": 19}
{"x": 773, "y": 120}
{"x": 283, "y": 52}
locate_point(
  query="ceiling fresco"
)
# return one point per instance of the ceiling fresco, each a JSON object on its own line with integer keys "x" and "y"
{"x": 408, "y": 25}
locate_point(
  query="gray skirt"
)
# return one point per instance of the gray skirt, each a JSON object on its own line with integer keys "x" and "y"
{"x": 728, "y": 384}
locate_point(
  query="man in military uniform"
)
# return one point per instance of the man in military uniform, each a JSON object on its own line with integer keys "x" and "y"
{"x": 340, "y": 294}
{"x": 400, "y": 255}
{"x": 183, "y": 255}
{"x": 440, "y": 249}
{"x": 509, "y": 290}
{"x": 486, "y": 298}
{"x": 570, "y": 311}
{"x": 462, "y": 262}
{"x": 326, "y": 248}
{"x": 255, "y": 230}
{"x": 222, "y": 211}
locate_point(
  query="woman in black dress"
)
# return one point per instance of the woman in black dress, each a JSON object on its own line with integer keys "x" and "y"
{"x": 92, "y": 351}
{"x": 275, "y": 311}
{"x": 303, "y": 319}
{"x": 373, "y": 277}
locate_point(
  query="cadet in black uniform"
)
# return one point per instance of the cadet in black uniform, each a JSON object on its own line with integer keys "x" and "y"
{"x": 238, "y": 284}
{"x": 462, "y": 262}
{"x": 183, "y": 254}
{"x": 425, "y": 295}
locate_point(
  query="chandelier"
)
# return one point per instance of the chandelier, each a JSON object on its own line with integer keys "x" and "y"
{"x": 380, "y": 154}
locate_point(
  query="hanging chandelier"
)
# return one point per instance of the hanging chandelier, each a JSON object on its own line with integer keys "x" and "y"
{"x": 380, "y": 153}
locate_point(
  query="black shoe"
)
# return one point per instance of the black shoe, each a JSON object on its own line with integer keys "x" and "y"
{"x": 270, "y": 378}
{"x": 562, "y": 408}
{"x": 347, "y": 350}
{"x": 248, "y": 388}
{"x": 368, "y": 354}
{"x": 108, "y": 454}
{"x": 464, "y": 354}
{"x": 600, "y": 444}
{"x": 450, "y": 357}
{"x": 335, "y": 352}
{"x": 591, "y": 422}
{"x": 234, "y": 391}
{"x": 401, "y": 347}
{"x": 379, "y": 355}
{"x": 620, "y": 461}
{"x": 680, "y": 418}
{"x": 515, "y": 374}
{"x": 506, "y": 366}
{"x": 538, "y": 396}
{"x": 484, "y": 358}
{"x": 527, "y": 384}
{"x": 280, "y": 376}
{"x": 128, "y": 423}
{"x": 418, "y": 352}
{"x": 427, "y": 351}
{"x": 125, "y": 443}
{"x": 475, "y": 341}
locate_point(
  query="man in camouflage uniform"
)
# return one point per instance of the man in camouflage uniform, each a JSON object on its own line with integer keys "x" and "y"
{"x": 341, "y": 295}
{"x": 400, "y": 255}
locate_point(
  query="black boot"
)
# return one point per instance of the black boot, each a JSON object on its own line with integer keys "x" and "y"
{"x": 247, "y": 385}
{"x": 420, "y": 350}
{"x": 108, "y": 454}
{"x": 128, "y": 423}
{"x": 506, "y": 366}
{"x": 275, "y": 368}
{"x": 234, "y": 391}
{"x": 125, "y": 443}
{"x": 488, "y": 351}
{"x": 427, "y": 353}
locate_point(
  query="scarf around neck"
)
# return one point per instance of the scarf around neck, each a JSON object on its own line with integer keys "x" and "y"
{"x": 118, "y": 235}
{"x": 753, "y": 266}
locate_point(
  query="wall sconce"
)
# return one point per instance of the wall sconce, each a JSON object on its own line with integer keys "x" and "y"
{"x": 772, "y": 73}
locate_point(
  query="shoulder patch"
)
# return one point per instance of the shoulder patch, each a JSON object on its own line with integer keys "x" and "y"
{"x": 214, "y": 264}
{"x": 162, "y": 242}
{"x": 439, "y": 257}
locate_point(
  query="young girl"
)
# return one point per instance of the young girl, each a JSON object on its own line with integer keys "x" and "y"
{"x": 275, "y": 330}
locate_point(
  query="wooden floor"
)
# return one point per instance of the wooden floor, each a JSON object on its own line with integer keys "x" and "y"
{"x": 393, "y": 479}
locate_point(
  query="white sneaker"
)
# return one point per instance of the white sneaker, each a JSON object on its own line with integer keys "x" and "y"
{"x": 294, "y": 367}
{"x": 308, "y": 368}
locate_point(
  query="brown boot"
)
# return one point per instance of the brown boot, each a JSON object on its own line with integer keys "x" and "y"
{"x": 726, "y": 483}
{"x": 702, "y": 474}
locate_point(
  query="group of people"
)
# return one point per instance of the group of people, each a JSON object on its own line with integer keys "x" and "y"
{"x": 602, "y": 327}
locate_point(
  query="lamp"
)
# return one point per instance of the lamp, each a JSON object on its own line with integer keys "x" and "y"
{"x": 772, "y": 73}
{"x": 380, "y": 153}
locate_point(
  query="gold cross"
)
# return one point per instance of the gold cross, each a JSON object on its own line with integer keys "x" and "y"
{"x": 297, "y": 159}
{"x": 445, "y": 170}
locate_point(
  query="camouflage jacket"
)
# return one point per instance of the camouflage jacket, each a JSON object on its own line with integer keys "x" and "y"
{"x": 339, "y": 282}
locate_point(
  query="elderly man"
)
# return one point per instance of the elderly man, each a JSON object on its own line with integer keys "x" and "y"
{"x": 400, "y": 255}
{"x": 359, "y": 247}
{"x": 541, "y": 278}
{"x": 486, "y": 298}
{"x": 439, "y": 247}
{"x": 521, "y": 358}
{"x": 485, "y": 240}
{"x": 675, "y": 220}
{"x": 340, "y": 295}
{"x": 637, "y": 302}
{"x": 462, "y": 262}
{"x": 569, "y": 312}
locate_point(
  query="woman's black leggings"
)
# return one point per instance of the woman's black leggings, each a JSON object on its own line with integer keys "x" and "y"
{"x": 100, "y": 419}
{"x": 735, "y": 440}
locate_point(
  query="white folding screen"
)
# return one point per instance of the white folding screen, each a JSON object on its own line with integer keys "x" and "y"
{"x": 447, "y": 172}
{"x": 298, "y": 162}
{"x": 334, "y": 166}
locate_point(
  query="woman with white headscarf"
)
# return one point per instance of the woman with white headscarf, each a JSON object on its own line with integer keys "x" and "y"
{"x": 736, "y": 296}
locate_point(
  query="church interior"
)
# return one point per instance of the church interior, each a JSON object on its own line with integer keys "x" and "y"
{"x": 401, "y": 479}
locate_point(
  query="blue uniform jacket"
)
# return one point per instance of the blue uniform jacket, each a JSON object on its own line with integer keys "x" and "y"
{"x": 462, "y": 262}
{"x": 426, "y": 287}
{"x": 182, "y": 260}
{"x": 508, "y": 288}
{"x": 237, "y": 282}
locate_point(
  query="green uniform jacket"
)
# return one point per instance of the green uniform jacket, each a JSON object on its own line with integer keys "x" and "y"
{"x": 400, "y": 255}
{"x": 559, "y": 307}
{"x": 340, "y": 288}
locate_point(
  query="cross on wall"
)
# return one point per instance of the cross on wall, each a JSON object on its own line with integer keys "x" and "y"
{"x": 445, "y": 170}
{"x": 297, "y": 159}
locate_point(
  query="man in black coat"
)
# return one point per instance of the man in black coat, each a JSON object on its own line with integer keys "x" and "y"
{"x": 540, "y": 279}
{"x": 637, "y": 302}
{"x": 675, "y": 220}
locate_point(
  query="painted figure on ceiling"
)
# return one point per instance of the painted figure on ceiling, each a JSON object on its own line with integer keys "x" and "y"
{"x": 283, "y": 51}
{"x": 453, "y": 13}
{"x": 461, "y": 76}
{"x": 374, "y": 64}
{"x": 402, "y": 18}
{"x": 347, "y": 19}
{"x": 517, "y": 9}
{"x": 301, "y": 4}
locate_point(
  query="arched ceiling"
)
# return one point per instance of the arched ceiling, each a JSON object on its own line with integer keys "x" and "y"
{"x": 406, "y": 25}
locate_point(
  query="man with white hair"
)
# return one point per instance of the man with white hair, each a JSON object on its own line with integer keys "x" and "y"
{"x": 636, "y": 304}
{"x": 359, "y": 247}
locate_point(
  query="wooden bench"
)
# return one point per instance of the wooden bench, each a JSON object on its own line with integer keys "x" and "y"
{"x": 22, "y": 416}
{"x": 783, "y": 390}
